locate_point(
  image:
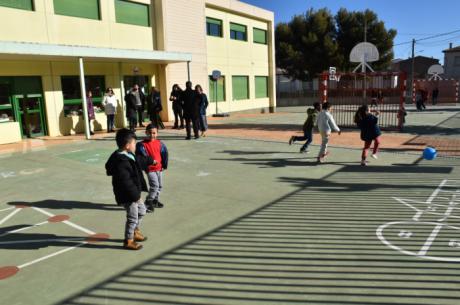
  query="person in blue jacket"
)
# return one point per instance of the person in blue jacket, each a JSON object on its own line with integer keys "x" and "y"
{"x": 202, "y": 101}
{"x": 370, "y": 131}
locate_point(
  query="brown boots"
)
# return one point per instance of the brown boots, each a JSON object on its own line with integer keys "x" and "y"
{"x": 131, "y": 244}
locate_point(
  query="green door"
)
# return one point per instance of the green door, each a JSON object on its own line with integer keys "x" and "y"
{"x": 29, "y": 112}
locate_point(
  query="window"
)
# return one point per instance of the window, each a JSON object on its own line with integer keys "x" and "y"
{"x": 260, "y": 36}
{"x": 27, "y": 5}
{"x": 132, "y": 13}
{"x": 238, "y": 32}
{"x": 72, "y": 92}
{"x": 213, "y": 27}
{"x": 78, "y": 8}
{"x": 6, "y": 109}
{"x": 261, "y": 83}
{"x": 457, "y": 61}
{"x": 240, "y": 87}
{"x": 220, "y": 89}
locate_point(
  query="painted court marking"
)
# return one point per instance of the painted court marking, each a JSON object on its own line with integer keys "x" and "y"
{"x": 435, "y": 216}
{"x": 92, "y": 237}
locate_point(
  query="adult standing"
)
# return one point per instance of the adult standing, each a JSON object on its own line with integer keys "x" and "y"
{"x": 434, "y": 96}
{"x": 177, "y": 105}
{"x": 110, "y": 104}
{"x": 191, "y": 111}
{"x": 135, "y": 101}
{"x": 154, "y": 108}
{"x": 90, "y": 107}
{"x": 203, "y": 103}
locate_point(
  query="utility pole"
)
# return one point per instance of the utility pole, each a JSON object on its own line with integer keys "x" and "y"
{"x": 412, "y": 70}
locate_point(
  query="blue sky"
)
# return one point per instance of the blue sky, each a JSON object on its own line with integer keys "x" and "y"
{"x": 411, "y": 18}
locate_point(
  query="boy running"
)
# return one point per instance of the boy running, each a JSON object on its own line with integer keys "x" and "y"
{"x": 326, "y": 124}
{"x": 307, "y": 128}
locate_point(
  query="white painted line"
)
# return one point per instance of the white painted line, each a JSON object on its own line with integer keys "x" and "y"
{"x": 50, "y": 255}
{"x": 10, "y": 208}
{"x": 430, "y": 240}
{"x": 436, "y": 191}
{"x": 9, "y": 216}
{"x": 79, "y": 227}
{"x": 42, "y": 240}
{"x": 69, "y": 223}
{"x": 25, "y": 228}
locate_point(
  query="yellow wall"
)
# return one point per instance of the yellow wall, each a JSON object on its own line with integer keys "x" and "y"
{"x": 238, "y": 58}
{"x": 44, "y": 26}
{"x": 51, "y": 72}
{"x": 10, "y": 133}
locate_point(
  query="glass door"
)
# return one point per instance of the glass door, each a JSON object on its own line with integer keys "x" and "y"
{"x": 30, "y": 114}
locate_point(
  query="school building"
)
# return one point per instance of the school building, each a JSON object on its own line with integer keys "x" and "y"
{"x": 48, "y": 46}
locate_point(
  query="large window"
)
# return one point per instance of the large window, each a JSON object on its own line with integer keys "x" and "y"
{"x": 213, "y": 27}
{"x": 132, "y": 13}
{"x": 238, "y": 32}
{"x": 220, "y": 89}
{"x": 72, "y": 93}
{"x": 27, "y": 5}
{"x": 240, "y": 87}
{"x": 260, "y": 36}
{"x": 78, "y": 8}
{"x": 261, "y": 83}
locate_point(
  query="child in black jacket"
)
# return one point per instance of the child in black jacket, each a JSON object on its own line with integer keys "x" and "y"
{"x": 128, "y": 183}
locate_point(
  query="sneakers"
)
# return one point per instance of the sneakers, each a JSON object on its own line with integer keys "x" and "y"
{"x": 363, "y": 163}
{"x": 374, "y": 156}
{"x": 157, "y": 204}
{"x": 149, "y": 205}
{"x": 130, "y": 244}
{"x": 304, "y": 151}
{"x": 188, "y": 138}
{"x": 291, "y": 140}
{"x": 203, "y": 134}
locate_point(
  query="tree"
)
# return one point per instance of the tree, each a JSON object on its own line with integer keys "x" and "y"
{"x": 350, "y": 31}
{"x": 312, "y": 42}
{"x": 306, "y": 44}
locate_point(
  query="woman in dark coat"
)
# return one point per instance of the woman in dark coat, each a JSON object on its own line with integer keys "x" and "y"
{"x": 177, "y": 103}
{"x": 202, "y": 102}
{"x": 154, "y": 108}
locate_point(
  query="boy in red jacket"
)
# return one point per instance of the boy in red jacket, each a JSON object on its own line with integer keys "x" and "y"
{"x": 155, "y": 149}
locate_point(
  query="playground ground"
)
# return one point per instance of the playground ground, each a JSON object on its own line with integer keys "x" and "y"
{"x": 247, "y": 220}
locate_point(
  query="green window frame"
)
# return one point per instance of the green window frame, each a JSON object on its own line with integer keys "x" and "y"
{"x": 134, "y": 13}
{"x": 240, "y": 87}
{"x": 213, "y": 27}
{"x": 220, "y": 89}
{"x": 89, "y": 9}
{"x": 238, "y": 32}
{"x": 27, "y": 5}
{"x": 261, "y": 85}
{"x": 259, "y": 36}
{"x": 71, "y": 92}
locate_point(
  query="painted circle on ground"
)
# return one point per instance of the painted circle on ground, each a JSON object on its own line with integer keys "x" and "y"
{"x": 59, "y": 218}
{"x": 98, "y": 237}
{"x": 8, "y": 271}
{"x": 21, "y": 206}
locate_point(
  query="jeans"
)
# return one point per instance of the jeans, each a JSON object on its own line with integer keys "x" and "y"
{"x": 155, "y": 185}
{"x": 203, "y": 122}
{"x": 307, "y": 135}
{"x": 110, "y": 122}
{"x": 324, "y": 142}
{"x": 134, "y": 213}
{"x": 140, "y": 115}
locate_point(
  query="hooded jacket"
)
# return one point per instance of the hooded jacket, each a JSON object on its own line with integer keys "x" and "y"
{"x": 127, "y": 178}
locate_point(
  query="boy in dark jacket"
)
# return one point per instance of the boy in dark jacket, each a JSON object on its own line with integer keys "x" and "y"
{"x": 128, "y": 183}
{"x": 310, "y": 122}
{"x": 154, "y": 148}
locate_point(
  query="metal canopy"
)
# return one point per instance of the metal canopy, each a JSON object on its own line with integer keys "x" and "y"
{"x": 66, "y": 51}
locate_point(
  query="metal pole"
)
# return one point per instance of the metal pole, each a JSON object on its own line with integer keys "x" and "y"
{"x": 188, "y": 70}
{"x": 83, "y": 98}
{"x": 215, "y": 92}
{"x": 412, "y": 71}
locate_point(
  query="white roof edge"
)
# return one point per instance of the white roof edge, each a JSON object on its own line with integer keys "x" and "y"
{"x": 41, "y": 49}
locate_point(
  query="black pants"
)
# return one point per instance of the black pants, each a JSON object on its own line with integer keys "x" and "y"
{"x": 178, "y": 115}
{"x": 156, "y": 120}
{"x": 140, "y": 115}
{"x": 132, "y": 122}
{"x": 110, "y": 122}
{"x": 195, "y": 123}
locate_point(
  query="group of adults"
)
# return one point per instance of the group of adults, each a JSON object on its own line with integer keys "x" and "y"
{"x": 421, "y": 96}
